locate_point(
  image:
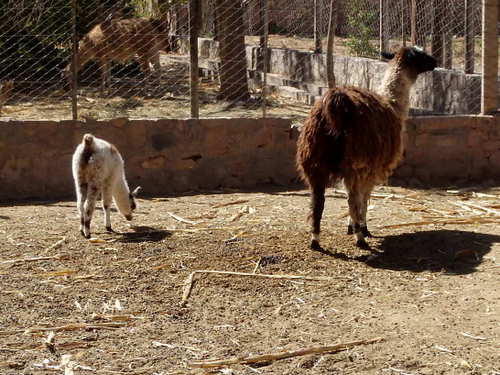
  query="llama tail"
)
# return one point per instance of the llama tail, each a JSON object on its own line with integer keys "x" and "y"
{"x": 337, "y": 111}
{"x": 88, "y": 140}
{"x": 88, "y": 149}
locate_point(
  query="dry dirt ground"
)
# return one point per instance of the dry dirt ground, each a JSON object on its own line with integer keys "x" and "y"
{"x": 428, "y": 288}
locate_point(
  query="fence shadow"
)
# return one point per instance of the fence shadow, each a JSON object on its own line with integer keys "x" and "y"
{"x": 454, "y": 251}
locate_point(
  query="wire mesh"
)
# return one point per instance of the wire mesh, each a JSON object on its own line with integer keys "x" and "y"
{"x": 133, "y": 56}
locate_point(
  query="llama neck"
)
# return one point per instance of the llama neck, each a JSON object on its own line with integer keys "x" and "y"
{"x": 121, "y": 195}
{"x": 396, "y": 87}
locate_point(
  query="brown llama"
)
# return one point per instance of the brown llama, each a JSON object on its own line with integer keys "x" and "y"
{"x": 121, "y": 40}
{"x": 355, "y": 134}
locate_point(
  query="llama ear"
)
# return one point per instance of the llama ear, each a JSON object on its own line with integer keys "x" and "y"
{"x": 387, "y": 55}
{"x": 136, "y": 191}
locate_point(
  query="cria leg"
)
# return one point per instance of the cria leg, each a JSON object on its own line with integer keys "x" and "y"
{"x": 107, "y": 198}
{"x": 89, "y": 206}
{"x": 81, "y": 197}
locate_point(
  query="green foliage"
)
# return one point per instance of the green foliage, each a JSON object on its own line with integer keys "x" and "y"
{"x": 360, "y": 21}
{"x": 34, "y": 33}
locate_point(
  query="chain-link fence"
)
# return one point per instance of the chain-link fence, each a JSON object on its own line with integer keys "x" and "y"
{"x": 96, "y": 59}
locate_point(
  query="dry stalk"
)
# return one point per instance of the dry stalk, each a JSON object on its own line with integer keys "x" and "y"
{"x": 56, "y": 245}
{"x": 282, "y": 355}
{"x": 67, "y": 327}
{"x": 230, "y": 203}
{"x": 35, "y": 259}
{"x": 188, "y": 284}
{"x": 181, "y": 219}
{"x": 485, "y": 209}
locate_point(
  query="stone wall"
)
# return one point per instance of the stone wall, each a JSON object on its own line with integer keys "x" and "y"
{"x": 455, "y": 150}
{"x": 163, "y": 156}
{"x": 170, "y": 156}
{"x": 302, "y": 75}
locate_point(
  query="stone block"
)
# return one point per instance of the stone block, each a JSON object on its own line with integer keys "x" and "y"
{"x": 119, "y": 122}
{"x": 154, "y": 162}
{"x": 494, "y": 162}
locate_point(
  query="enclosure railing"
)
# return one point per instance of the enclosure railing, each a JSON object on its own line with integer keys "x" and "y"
{"x": 95, "y": 59}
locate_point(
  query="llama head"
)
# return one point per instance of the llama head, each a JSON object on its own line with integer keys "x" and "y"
{"x": 132, "y": 204}
{"x": 412, "y": 59}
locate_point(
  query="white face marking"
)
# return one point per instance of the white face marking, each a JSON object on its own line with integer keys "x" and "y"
{"x": 419, "y": 48}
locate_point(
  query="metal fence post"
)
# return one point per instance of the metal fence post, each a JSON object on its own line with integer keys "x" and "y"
{"x": 489, "y": 85}
{"x": 194, "y": 30}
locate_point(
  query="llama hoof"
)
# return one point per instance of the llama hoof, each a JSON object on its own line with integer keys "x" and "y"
{"x": 362, "y": 244}
{"x": 109, "y": 229}
{"x": 350, "y": 230}
{"x": 366, "y": 232}
{"x": 87, "y": 236}
{"x": 315, "y": 245}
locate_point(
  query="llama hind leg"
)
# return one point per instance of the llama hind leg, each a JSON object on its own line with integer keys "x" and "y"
{"x": 318, "y": 186}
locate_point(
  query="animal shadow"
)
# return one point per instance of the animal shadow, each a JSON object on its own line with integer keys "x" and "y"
{"x": 144, "y": 234}
{"x": 4, "y": 217}
{"x": 455, "y": 251}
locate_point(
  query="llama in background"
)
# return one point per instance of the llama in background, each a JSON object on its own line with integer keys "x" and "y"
{"x": 355, "y": 134}
{"x": 98, "y": 169}
{"x": 121, "y": 40}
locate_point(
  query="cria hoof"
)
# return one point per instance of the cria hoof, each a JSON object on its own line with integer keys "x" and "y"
{"x": 366, "y": 232}
{"x": 109, "y": 229}
{"x": 315, "y": 245}
{"x": 350, "y": 230}
{"x": 362, "y": 244}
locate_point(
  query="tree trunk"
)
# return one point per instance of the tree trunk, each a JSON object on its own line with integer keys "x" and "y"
{"x": 417, "y": 23}
{"x": 231, "y": 36}
{"x": 332, "y": 24}
{"x": 437, "y": 41}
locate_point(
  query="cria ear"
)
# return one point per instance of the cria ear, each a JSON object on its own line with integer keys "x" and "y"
{"x": 136, "y": 191}
{"x": 387, "y": 55}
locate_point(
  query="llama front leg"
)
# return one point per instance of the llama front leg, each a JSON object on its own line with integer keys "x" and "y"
{"x": 354, "y": 200}
{"x": 107, "y": 198}
{"x": 88, "y": 209}
{"x": 364, "y": 208}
